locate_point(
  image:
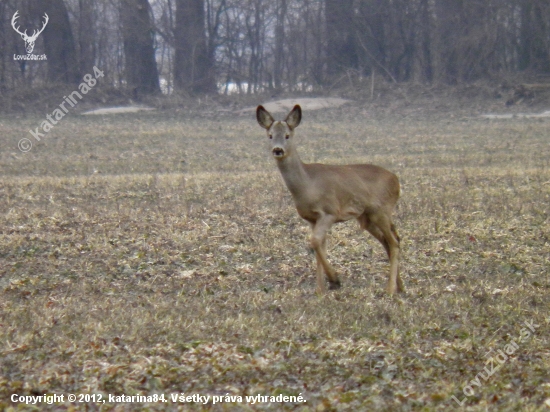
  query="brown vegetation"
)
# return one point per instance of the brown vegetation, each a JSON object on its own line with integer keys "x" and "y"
{"x": 156, "y": 253}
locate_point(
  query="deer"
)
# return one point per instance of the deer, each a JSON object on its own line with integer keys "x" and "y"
{"x": 326, "y": 194}
{"x": 29, "y": 40}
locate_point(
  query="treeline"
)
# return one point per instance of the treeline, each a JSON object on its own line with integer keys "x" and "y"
{"x": 209, "y": 46}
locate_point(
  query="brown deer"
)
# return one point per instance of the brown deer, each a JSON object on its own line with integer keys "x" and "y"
{"x": 328, "y": 194}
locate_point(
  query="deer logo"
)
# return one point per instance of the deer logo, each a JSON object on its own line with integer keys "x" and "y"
{"x": 29, "y": 40}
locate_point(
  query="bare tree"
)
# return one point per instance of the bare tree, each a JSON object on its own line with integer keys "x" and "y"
{"x": 282, "y": 45}
{"x": 138, "y": 34}
{"x": 425, "y": 39}
{"x": 341, "y": 46}
{"x": 255, "y": 22}
{"x": 371, "y": 34}
{"x": 86, "y": 35}
{"x": 193, "y": 63}
{"x": 279, "y": 55}
{"x": 535, "y": 36}
{"x": 59, "y": 42}
{"x": 3, "y": 47}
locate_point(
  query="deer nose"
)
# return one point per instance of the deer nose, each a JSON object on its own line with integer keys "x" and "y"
{"x": 278, "y": 152}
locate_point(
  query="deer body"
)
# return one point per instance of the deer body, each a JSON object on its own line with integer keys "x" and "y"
{"x": 328, "y": 194}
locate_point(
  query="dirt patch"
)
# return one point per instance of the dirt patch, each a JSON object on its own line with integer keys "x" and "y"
{"x": 516, "y": 115}
{"x": 307, "y": 103}
{"x": 118, "y": 110}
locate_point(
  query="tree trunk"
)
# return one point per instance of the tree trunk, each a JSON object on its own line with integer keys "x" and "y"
{"x": 426, "y": 41}
{"x": 279, "y": 45}
{"x": 341, "y": 44}
{"x": 3, "y": 46}
{"x": 194, "y": 66}
{"x": 59, "y": 44}
{"x": 86, "y": 40}
{"x": 448, "y": 14}
{"x": 137, "y": 32}
{"x": 534, "y": 53}
{"x": 372, "y": 34}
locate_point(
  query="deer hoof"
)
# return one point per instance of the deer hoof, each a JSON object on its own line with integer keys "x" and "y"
{"x": 334, "y": 284}
{"x": 390, "y": 290}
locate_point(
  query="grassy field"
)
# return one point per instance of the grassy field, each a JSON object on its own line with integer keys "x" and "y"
{"x": 160, "y": 253}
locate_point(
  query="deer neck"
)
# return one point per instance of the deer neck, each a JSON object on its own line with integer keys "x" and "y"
{"x": 294, "y": 174}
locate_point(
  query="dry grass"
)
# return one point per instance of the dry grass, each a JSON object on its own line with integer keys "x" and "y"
{"x": 150, "y": 253}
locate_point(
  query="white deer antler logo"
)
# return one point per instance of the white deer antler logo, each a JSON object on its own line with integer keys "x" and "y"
{"x": 29, "y": 40}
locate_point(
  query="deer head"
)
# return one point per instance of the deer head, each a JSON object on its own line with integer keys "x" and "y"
{"x": 29, "y": 40}
{"x": 280, "y": 133}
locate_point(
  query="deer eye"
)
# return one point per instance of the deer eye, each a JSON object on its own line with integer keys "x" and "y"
{"x": 287, "y": 136}
{"x": 271, "y": 136}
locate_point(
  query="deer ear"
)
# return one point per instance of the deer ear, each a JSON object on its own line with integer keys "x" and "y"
{"x": 294, "y": 117}
{"x": 263, "y": 117}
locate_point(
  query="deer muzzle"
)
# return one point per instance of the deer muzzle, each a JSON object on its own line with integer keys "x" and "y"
{"x": 278, "y": 152}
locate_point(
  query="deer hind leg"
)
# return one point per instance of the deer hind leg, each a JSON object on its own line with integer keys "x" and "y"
{"x": 318, "y": 244}
{"x": 400, "y": 286}
{"x": 384, "y": 231}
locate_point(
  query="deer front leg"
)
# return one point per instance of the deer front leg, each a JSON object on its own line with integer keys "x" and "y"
{"x": 321, "y": 287}
{"x": 318, "y": 244}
